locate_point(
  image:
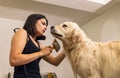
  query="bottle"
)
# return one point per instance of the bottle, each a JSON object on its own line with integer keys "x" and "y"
{"x": 50, "y": 75}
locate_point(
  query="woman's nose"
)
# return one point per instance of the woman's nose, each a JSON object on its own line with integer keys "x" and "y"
{"x": 45, "y": 28}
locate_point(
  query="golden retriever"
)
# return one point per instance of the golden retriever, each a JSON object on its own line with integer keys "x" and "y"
{"x": 88, "y": 59}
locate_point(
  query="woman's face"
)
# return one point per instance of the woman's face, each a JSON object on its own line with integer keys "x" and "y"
{"x": 41, "y": 27}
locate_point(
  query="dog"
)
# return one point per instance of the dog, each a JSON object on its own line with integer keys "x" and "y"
{"x": 88, "y": 59}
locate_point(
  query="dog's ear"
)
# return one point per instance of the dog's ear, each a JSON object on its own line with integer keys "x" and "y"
{"x": 75, "y": 35}
{"x": 78, "y": 35}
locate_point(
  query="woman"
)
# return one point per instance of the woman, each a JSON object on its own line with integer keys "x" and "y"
{"x": 26, "y": 51}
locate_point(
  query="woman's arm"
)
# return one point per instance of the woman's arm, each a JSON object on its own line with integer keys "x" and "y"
{"x": 55, "y": 60}
{"x": 17, "y": 45}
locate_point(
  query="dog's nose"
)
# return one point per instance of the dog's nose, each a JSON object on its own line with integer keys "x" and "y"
{"x": 52, "y": 27}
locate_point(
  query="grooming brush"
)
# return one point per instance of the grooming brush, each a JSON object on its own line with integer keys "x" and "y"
{"x": 56, "y": 45}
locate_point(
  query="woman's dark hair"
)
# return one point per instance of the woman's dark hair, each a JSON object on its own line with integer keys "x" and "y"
{"x": 29, "y": 25}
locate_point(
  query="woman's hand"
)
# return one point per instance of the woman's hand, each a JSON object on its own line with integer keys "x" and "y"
{"x": 46, "y": 51}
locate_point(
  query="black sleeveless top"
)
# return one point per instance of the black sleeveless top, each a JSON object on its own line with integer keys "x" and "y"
{"x": 30, "y": 70}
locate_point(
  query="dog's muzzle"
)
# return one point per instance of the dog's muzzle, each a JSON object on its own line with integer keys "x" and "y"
{"x": 54, "y": 32}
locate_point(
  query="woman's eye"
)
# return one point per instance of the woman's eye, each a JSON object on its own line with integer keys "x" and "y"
{"x": 44, "y": 23}
{"x": 64, "y": 25}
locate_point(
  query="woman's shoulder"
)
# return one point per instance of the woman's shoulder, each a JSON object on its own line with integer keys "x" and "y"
{"x": 22, "y": 30}
{"x": 20, "y": 33}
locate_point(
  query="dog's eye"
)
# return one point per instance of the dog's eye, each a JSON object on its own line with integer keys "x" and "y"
{"x": 64, "y": 25}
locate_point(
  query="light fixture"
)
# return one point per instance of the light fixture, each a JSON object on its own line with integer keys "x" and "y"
{"x": 100, "y": 1}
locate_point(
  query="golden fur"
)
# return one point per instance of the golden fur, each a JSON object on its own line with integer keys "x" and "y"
{"x": 88, "y": 59}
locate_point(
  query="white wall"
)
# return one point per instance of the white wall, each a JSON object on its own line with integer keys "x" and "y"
{"x": 105, "y": 27}
{"x": 9, "y": 19}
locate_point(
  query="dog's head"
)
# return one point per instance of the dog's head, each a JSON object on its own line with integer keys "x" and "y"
{"x": 67, "y": 31}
